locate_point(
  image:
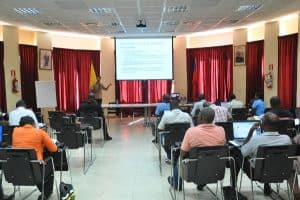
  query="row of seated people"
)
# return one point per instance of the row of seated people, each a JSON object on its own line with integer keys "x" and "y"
{"x": 177, "y": 116}
{"x": 208, "y": 134}
{"x": 28, "y": 135}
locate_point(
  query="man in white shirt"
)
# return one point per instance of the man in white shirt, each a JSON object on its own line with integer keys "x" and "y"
{"x": 198, "y": 106}
{"x": 233, "y": 103}
{"x": 19, "y": 112}
{"x": 221, "y": 113}
{"x": 174, "y": 116}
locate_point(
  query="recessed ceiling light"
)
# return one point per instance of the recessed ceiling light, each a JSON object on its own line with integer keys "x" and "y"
{"x": 27, "y": 11}
{"x": 100, "y": 11}
{"x": 89, "y": 24}
{"x": 52, "y": 23}
{"x": 248, "y": 7}
{"x": 176, "y": 9}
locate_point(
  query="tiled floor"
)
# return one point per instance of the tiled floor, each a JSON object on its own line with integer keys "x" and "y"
{"x": 126, "y": 168}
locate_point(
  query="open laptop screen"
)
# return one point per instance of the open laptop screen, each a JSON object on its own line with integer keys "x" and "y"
{"x": 1, "y": 133}
{"x": 241, "y": 129}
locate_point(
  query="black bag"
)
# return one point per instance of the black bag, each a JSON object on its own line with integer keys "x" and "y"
{"x": 60, "y": 161}
{"x": 66, "y": 191}
{"x": 230, "y": 194}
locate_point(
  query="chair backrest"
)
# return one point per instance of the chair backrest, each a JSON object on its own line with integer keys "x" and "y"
{"x": 239, "y": 114}
{"x": 176, "y": 133}
{"x": 228, "y": 127}
{"x": 276, "y": 165}
{"x": 286, "y": 127}
{"x": 297, "y": 113}
{"x": 90, "y": 118}
{"x": 18, "y": 166}
{"x": 7, "y": 134}
{"x": 57, "y": 119}
{"x": 205, "y": 164}
{"x": 71, "y": 136}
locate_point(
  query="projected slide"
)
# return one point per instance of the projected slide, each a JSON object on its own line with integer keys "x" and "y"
{"x": 144, "y": 59}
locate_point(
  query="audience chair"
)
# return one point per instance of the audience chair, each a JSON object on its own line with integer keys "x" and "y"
{"x": 173, "y": 133}
{"x": 73, "y": 138}
{"x": 21, "y": 168}
{"x": 57, "y": 119}
{"x": 228, "y": 127}
{"x": 273, "y": 164}
{"x": 286, "y": 126}
{"x": 205, "y": 165}
{"x": 297, "y": 112}
{"x": 239, "y": 114}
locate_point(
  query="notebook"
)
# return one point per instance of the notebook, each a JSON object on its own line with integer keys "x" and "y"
{"x": 240, "y": 131}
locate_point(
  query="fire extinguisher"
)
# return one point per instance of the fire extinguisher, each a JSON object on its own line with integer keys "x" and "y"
{"x": 15, "y": 82}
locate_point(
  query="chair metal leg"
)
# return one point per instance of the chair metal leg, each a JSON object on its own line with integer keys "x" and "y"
{"x": 251, "y": 182}
{"x": 222, "y": 194}
{"x": 159, "y": 153}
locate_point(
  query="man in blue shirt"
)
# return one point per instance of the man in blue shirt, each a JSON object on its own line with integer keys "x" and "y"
{"x": 164, "y": 105}
{"x": 258, "y": 105}
{"x": 159, "y": 111}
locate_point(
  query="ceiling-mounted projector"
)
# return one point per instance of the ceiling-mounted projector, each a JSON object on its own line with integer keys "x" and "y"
{"x": 141, "y": 23}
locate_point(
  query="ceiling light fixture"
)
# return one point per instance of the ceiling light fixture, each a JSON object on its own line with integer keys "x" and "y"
{"x": 248, "y": 7}
{"x": 100, "y": 11}
{"x": 141, "y": 23}
{"x": 27, "y": 11}
{"x": 177, "y": 9}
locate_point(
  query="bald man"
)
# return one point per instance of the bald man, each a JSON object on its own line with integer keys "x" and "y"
{"x": 205, "y": 134}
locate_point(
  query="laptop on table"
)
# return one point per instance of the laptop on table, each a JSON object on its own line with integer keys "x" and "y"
{"x": 240, "y": 132}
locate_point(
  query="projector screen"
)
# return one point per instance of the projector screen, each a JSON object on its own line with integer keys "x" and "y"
{"x": 144, "y": 58}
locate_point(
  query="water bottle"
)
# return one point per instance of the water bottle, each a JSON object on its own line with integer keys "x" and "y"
{"x": 258, "y": 131}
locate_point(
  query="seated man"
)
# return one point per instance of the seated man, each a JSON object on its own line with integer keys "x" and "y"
{"x": 221, "y": 113}
{"x": 198, "y": 106}
{"x": 164, "y": 105}
{"x": 27, "y": 136}
{"x": 159, "y": 111}
{"x": 19, "y": 112}
{"x": 174, "y": 116}
{"x": 276, "y": 108}
{"x": 233, "y": 103}
{"x": 205, "y": 134}
{"x": 91, "y": 105}
{"x": 249, "y": 149}
{"x": 258, "y": 105}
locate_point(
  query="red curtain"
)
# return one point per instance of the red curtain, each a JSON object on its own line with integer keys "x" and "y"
{"x": 255, "y": 69}
{"x": 85, "y": 59}
{"x": 137, "y": 91}
{"x": 72, "y": 75}
{"x": 2, "y": 80}
{"x": 66, "y": 77}
{"x": 287, "y": 70}
{"x": 130, "y": 91}
{"x": 157, "y": 88}
{"x": 209, "y": 71}
{"x": 29, "y": 73}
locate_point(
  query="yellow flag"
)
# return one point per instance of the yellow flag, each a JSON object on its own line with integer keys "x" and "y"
{"x": 93, "y": 78}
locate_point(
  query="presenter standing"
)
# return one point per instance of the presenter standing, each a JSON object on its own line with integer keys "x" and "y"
{"x": 97, "y": 89}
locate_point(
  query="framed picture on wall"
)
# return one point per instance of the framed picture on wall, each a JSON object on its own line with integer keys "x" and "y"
{"x": 240, "y": 55}
{"x": 45, "y": 59}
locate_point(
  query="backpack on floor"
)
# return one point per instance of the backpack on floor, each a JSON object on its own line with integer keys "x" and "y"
{"x": 66, "y": 191}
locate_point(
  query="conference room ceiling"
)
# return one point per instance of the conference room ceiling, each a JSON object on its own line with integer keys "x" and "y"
{"x": 160, "y": 17}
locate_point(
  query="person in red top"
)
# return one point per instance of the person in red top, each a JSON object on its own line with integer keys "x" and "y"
{"x": 205, "y": 134}
{"x": 27, "y": 136}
